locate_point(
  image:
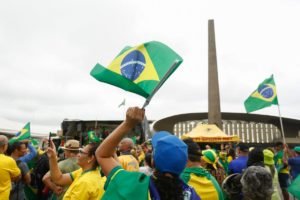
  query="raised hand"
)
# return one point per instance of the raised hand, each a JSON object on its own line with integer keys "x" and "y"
{"x": 134, "y": 115}
{"x": 51, "y": 150}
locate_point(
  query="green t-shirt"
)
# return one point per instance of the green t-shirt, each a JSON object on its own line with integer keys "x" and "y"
{"x": 123, "y": 185}
{"x": 278, "y": 159}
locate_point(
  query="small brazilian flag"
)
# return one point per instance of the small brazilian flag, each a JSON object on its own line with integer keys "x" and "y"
{"x": 265, "y": 95}
{"x": 24, "y": 134}
{"x": 92, "y": 137}
{"x": 139, "y": 69}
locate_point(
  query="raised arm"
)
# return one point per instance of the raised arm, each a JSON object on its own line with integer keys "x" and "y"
{"x": 28, "y": 157}
{"x": 56, "y": 176}
{"x": 106, "y": 150}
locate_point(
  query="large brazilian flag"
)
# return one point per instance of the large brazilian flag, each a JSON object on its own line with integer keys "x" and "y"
{"x": 139, "y": 69}
{"x": 265, "y": 95}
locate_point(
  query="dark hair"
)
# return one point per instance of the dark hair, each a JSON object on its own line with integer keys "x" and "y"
{"x": 93, "y": 147}
{"x": 278, "y": 144}
{"x": 148, "y": 159}
{"x": 210, "y": 167}
{"x": 194, "y": 153}
{"x": 16, "y": 145}
{"x": 168, "y": 187}
{"x": 256, "y": 157}
{"x": 231, "y": 153}
{"x": 92, "y": 151}
{"x": 243, "y": 147}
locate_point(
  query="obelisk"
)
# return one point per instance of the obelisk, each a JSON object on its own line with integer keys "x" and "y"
{"x": 214, "y": 108}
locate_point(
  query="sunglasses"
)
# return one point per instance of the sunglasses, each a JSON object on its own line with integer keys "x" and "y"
{"x": 82, "y": 152}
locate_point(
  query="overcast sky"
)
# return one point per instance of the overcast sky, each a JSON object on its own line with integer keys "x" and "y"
{"x": 47, "y": 49}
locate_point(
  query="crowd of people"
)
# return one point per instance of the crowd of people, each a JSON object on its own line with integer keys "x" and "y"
{"x": 167, "y": 168}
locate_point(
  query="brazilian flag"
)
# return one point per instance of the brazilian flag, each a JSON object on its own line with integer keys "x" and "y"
{"x": 139, "y": 69}
{"x": 92, "y": 137}
{"x": 265, "y": 95}
{"x": 24, "y": 134}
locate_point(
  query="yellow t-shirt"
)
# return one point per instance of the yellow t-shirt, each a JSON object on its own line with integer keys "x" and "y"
{"x": 8, "y": 170}
{"x": 229, "y": 159}
{"x": 141, "y": 157}
{"x": 129, "y": 163}
{"x": 87, "y": 185}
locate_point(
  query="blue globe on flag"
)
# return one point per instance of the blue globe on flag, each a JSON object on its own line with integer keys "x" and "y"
{"x": 266, "y": 91}
{"x": 133, "y": 65}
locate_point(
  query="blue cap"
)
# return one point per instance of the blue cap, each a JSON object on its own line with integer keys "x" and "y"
{"x": 170, "y": 153}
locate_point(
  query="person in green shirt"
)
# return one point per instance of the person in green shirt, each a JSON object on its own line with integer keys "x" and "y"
{"x": 282, "y": 168}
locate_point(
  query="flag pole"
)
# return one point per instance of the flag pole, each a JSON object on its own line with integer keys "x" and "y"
{"x": 281, "y": 124}
{"x": 160, "y": 83}
{"x": 96, "y": 125}
{"x": 280, "y": 119}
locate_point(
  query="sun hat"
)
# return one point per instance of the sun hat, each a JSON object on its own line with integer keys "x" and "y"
{"x": 71, "y": 145}
{"x": 170, "y": 153}
{"x": 210, "y": 157}
{"x": 268, "y": 157}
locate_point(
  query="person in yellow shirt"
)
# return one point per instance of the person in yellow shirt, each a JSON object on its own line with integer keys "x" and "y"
{"x": 86, "y": 182}
{"x": 71, "y": 150}
{"x": 141, "y": 155}
{"x": 8, "y": 169}
{"x": 127, "y": 161}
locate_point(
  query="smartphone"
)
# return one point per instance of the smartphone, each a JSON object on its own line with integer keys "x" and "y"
{"x": 49, "y": 140}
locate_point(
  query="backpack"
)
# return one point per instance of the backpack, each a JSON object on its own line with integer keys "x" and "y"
{"x": 38, "y": 172}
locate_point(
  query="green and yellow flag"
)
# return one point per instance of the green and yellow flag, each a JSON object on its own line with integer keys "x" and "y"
{"x": 139, "y": 69}
{"x": 92, "y": 137}
{"x": 24, "y": 134}
{"x": 265, "y": 95}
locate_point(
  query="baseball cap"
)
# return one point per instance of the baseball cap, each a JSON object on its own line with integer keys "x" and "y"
{"x": 268, "y": 157}
{"x": 71, "y": 145}
{"x": 170, "y": 153}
